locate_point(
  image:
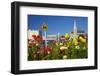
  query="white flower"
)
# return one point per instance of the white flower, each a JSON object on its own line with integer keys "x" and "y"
{"x": 65, "y": 57}
{"x": 77, "y": 47}
{"x": 66, "y": 47}
{"x": 63, "y": 48}
{"x": 48, "y": 52}
{"x": 61, "y": 44}
{"x": 37, "y": 44}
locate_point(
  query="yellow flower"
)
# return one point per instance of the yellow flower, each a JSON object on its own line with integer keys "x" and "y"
{"x": 66, "y": 36}
{"x": 68, "y": 44}
{"x": 75, "y": 42}
{"x": 82, "y": 39}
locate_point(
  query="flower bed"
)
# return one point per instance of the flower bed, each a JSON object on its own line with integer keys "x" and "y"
{"x": 65, "y": 48}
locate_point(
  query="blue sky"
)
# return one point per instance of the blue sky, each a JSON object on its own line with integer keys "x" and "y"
{"x": 61, "y": 24}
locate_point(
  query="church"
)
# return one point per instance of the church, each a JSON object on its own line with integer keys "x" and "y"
{"x": 76, "y": 31}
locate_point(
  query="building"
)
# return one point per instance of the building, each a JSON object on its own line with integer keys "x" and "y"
{"x": 76, "y": 31}
{"x": 34, "y": 32}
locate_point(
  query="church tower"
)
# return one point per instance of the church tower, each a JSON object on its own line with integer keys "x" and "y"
{"x": 75, "y": 29}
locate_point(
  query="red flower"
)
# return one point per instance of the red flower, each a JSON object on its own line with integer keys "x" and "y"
{"x": 54, "y": 42}
{"x": 39, "y": 38}
{"x": 47, "y": 49}
{"x": 30, "y": 45}
{"x": 34, "y": 36}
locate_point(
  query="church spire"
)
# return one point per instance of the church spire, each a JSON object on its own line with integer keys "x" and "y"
{"x": 75, "y": 28}
{"x": 75, "y": 25}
